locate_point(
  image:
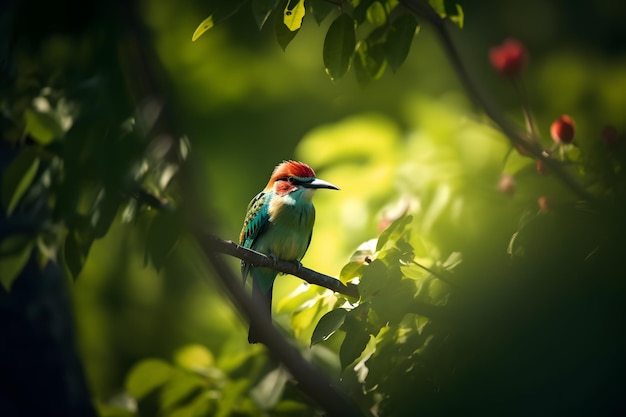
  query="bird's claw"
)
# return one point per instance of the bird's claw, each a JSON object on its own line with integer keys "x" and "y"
{"x": 274, "y": 259}
{"x": 298, "y": 265}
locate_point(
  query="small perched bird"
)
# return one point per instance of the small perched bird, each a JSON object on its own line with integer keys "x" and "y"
{"x": 279, "y": 223}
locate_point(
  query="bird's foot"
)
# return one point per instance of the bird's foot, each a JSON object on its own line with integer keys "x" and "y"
{"x": 274, "y": 259}
{"x": 298, "y": 265}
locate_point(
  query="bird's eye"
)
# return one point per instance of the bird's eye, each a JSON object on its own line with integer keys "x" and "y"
{"x": 291, "y": 180}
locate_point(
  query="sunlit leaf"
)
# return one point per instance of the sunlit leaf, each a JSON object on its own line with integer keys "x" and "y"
{"x": 459, "y": 18}
{"x": 14, "y": 254}
{"x": 350, "y": 271}
{"x": 224, "y": 11}
{"x": 18, "y": 176}
{"x": 320, "y": 9}
{"x": 369, "y": 61}
{"x": 262, "y": 10}
{"x": 179, "y": 388}
{"x": 205, "y": 25}
{"x": 453, "y": 260}
{"x": 376, "y": 14}
{"x": 269, "y": 391}
{"x": 231, "y": 392}
{"x": 339, "y": 46}
{"x": 438, "y": 292}
{"x": 43, "y": 127}
{"x": 395, "y": 229}
{"x": 439, "y": 6}
{"x": 399, "y": 39}
{"x": 146, "y": 376}
{"x": 293, "y": 14}
{"x": 194, "y": 357}
{"x": 359, "y": 13}
{"x": 283, "y": 35}
{"x": 328, "y": 325}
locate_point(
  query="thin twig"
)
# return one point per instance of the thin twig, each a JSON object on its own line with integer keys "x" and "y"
{"x": 258, "y": 259}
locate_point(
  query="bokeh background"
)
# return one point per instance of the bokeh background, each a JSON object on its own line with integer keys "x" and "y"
{"x": 410, "y": 140}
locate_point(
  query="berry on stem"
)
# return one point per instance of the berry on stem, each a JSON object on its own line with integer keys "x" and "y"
{"x": 562, "y": 129}
{"x": 509, "y": 59}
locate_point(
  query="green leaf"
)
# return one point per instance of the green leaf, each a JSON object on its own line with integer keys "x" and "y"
{"x": 146, "y": 376}
{"x": 205, "y": 25}
{"x": 438, "y": 6}
{"x": 395, "y": 300}
{"x": 224, "y": 11}
{"x": 262, "y": 9}
{"x": 293, "y": 15}
{"x": 350, "y": 271}
{"x": 359, "y": 13}
{"x": 399, "y": 39}
{"x": 194, "y": 357}
{"x": 231, "y": 393}
{"x": 394, "y": 231}
{"x": 42, "y": 127}
{"x": 328, "y": 325}
{"x": 459, "y": 18}
{"x": 179, "y": 388}
{"x": 75, "y": 252}
{"x": 339, "y": 46}
{"x": 320, "y": 9}
{"x": 355, "y": 341}
{"x": 369, "y": 62}
{"x": 376, "y": 14}
{"x": 374, "y": 278}
{"x": 14, "y": 254}
{"x": 283, "y": 35}
{"x": 18, "y": 177}
{"x": 269, "y": 391}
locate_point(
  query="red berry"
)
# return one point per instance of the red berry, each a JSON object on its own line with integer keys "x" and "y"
{"x": 509, "y": 59}
{"x": 610, "y": 135}
{"x": 544, "y": 204}
{"x": 507, "y": 184}
{"x": 562, "y": 129}
{"x": 542, "y": 167}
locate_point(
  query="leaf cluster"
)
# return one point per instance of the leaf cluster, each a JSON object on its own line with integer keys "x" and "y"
{"x": 366, "y": 35}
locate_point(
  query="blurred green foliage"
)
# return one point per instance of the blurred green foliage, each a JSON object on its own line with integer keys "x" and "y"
{"x": 472, "y": 299}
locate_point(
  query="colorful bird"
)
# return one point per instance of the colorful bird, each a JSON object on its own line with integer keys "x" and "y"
{"x": 279, "y": 223}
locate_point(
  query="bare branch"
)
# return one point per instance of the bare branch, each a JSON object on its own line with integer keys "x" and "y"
{"x": 258, "y": 259}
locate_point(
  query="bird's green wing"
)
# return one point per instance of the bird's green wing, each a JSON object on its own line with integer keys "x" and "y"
{"x": 257, "y": 220}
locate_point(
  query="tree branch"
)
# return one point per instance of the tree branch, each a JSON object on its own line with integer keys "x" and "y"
{"x": 258, "y": 259}
{"x": 311, "y": 381}
{"x": 424, "y": 10}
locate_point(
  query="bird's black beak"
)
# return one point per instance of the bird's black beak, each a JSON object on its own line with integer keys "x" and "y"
{"x": 317, "y": 183}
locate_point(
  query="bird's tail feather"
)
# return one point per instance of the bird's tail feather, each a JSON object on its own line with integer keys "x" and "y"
{"x": 265, "y": 299}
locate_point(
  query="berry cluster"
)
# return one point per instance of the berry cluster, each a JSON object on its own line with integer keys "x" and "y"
{"x": 509, "y": 60}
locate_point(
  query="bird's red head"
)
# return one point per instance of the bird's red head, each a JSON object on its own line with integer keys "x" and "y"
{"x": 286, "y": 170}
{"x": 290, "y": 176}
